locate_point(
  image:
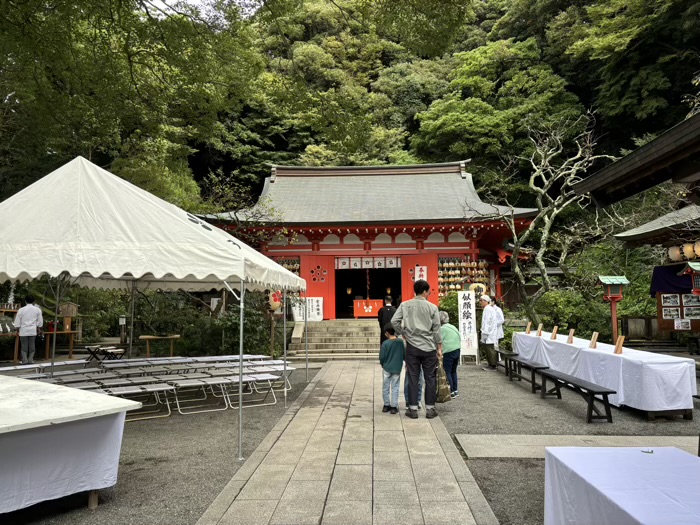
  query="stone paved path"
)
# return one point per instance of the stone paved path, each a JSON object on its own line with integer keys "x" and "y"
{"x": 483, "y": 446}
{"x": 336, "y": 459}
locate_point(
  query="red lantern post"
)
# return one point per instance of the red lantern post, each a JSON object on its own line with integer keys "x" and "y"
{"x": 612, "y": 293}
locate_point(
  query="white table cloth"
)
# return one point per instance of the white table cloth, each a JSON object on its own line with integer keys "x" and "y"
{"x": 642, "y": 380}
{"x": 621, "y": 486}
{"x": 56, "y": 441}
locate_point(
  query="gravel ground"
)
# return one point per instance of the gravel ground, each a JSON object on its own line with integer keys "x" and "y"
{"x": 170, "y": 470}
{"x": 490, "y": 404}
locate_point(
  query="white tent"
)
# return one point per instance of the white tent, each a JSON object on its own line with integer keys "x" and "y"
{"x": 104, "y": 232}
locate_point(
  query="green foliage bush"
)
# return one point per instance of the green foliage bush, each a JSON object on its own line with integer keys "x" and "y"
{"x": 568, "y": 309}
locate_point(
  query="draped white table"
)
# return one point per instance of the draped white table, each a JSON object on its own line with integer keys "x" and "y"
{"x": 621, "y": 486}
{"x": 56, "y": 441}
{"x": 642, "y": 380}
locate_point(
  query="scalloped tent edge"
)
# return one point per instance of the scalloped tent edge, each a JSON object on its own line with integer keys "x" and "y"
{"x": 104, "y": 232}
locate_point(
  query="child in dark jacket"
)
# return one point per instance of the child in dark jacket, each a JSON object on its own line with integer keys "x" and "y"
{"x": 391, "y": 358}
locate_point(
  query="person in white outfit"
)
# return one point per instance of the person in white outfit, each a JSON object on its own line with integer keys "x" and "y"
{"x": 500, "y": 319}
{"x": 489, "y": 332}
{"x": 28, "y": 323}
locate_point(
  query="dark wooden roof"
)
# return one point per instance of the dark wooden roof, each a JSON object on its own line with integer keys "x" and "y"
{"x": 673, "y": 155}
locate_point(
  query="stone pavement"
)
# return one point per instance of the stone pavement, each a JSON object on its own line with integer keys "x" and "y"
{"x": 482, "y": 446}
{"x": 335, "y": 459}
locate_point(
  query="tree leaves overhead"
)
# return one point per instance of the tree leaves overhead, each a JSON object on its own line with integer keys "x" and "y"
{"x": 167, "y": 92}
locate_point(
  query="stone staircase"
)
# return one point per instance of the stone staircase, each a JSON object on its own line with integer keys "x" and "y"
{"x": 337, "y": 339}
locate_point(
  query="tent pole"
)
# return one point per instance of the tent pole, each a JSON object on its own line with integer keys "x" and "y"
{"x": 55, "y": 324}
{"x": 306, "y": 335}
{"x": 131, "y": 329}
{"x": 240, "y": 378}
{"x": 284, "y": 331}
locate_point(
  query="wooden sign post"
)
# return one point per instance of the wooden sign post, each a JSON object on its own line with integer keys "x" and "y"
{"x": 570, "y": 340}
{"x": 618, "y": 344}
{"x": 539, "y": 330}
{"x": 554, "y": 332}
{"x": 528, "y": 327}
{"x": 594, "y": 340}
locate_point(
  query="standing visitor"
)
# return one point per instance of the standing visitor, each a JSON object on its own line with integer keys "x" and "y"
{"x": 421, "y": 330}
{"x": 391, "y": 358}
{"x": 384, "y": 316}
{"x": 500, "y": 319}
{"x": 451, "y": 346}
{"x": 489, "y": 332}
{"x": 28, "y": 323}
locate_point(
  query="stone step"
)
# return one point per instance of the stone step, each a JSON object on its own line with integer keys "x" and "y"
{"x": 330, "y": 333}
{"x": 336, "y": 351}
{"x": 374, "y": 329}
{"x": 336, "y": 339}
{"x": 334, "y": 346}
{"x": 316, "y": 358}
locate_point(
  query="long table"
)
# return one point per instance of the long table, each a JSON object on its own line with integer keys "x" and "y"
{"x": 643, "y": 380}
{"x": 621, "y": 486}
{"x": 56, "y": 441}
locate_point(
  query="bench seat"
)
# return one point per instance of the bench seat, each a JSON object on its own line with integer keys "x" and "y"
{"x": 585, "y": 389}
{"x": 514, "y": 369}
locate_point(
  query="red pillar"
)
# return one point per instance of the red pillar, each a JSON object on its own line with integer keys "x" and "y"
{"x": 613, "y": 312}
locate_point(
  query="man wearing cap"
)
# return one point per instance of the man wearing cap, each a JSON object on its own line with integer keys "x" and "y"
{"x": 421, "y": 330}
{"x": 489, "y": 332}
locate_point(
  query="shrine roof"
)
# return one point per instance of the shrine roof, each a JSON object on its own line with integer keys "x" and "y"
{"x": 663, "y": 229}
{"x": 378, "y": 194}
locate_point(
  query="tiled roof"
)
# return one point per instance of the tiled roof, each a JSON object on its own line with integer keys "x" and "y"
{"x": 613, "y": 279}
{"x": 674, "y": 220}
{"x": 376, "y": 194}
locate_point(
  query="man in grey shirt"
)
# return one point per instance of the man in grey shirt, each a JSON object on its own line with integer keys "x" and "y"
{"x": 418, "y": 321}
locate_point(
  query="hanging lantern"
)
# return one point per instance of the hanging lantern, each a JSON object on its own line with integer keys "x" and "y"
{"x": 689, "y": 251}
{"x": 674, "y": 253}
{"x": 275, "y": 300}
{"x": 696, "y": 247}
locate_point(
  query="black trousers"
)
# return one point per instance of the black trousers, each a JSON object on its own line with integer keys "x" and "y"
{"x": 428, "y": 361}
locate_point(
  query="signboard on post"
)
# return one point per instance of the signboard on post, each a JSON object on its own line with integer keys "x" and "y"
{"x": 314, "y": 309}
{"x": 466, "y": 304}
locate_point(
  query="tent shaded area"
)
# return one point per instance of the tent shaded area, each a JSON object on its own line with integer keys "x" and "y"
{"x": 106, "y": 232}
{"x": 84, "y": 223}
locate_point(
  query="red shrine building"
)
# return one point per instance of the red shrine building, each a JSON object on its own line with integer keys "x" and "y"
{"x": 357, "y": 234}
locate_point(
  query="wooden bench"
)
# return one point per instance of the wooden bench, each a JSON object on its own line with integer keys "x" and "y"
{"x": 505, "y": 355}
{"x": 585, "y": 389}
{"x": 515, "y": 367}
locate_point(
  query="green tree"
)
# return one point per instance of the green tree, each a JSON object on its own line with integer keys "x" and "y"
{"x": 498, "y": 91}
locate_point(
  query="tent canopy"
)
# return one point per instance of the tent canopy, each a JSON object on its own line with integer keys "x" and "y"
{"x": 107, "y": 233}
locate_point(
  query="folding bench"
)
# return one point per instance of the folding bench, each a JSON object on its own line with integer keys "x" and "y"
{"x": 159, "y": 393}
{"x": 186, "y": 391}
{"x": 252, "y": 389}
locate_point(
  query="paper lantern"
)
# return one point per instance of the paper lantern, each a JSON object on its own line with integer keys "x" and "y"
{"x": 275, "y": 300}
{"x": 674, "y": 253}
{"x": 689, "y": 251}
{"x": 696, "y": 247}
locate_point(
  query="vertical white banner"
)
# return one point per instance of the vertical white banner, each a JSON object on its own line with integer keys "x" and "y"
{"x": 421, "y": 273}
{"x": 467, "y": 323}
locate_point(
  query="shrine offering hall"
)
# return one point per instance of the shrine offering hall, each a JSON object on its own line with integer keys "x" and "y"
{"x": 357, "y": 234}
